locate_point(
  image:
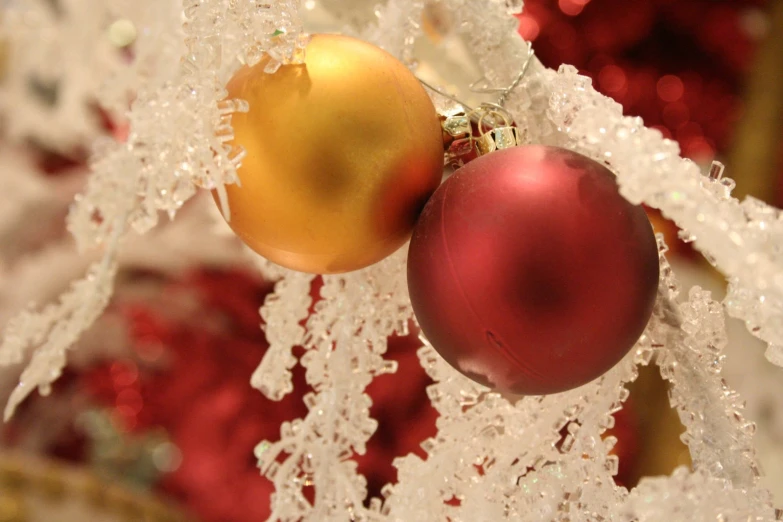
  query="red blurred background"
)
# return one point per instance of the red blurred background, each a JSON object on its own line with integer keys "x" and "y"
{"x": 682, "y": 65}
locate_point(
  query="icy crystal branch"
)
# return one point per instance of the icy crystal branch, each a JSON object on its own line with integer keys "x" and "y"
{"x": 398, "y": 26}
{"x": 58, "y": 56}
{"x": 741, "y": 239}
{"x": 547, "y": 458}
{"x": 53, "y": 330}
{"x": 494, "y": 458}
{"x": 179, "y": 124}
{"x": 690, "y": 338}
{"x": 283, "y": 311}
{"x": 345, "y": 341}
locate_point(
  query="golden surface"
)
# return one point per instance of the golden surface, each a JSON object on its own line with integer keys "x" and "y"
{"x": 342, "y": 154}
{"x": 659, "y": 449}
{"x": 34, "y": 490}
{"x": 754, "y": 159}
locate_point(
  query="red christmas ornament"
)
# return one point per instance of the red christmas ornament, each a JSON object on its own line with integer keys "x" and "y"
{"x": 530, "y": 273}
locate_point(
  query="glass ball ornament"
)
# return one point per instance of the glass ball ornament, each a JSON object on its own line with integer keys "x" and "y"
{"x": 343, "y": 152}
{"x": 529, "y": 272}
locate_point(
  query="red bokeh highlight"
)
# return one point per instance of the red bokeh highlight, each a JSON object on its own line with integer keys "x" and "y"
{"x": 205, "y": 330}
{"x": 670, "y": 88}
{"x": 612, "y": 79}
{"x": 680, "y": 65}
{"x": 672, "y": 63}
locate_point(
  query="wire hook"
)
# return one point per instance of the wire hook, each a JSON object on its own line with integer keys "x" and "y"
{"x": 445, "y": 95}
{"x": 504, "y": 91}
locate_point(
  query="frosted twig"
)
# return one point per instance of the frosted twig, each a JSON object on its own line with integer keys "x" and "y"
{"x": 692, "y": 336}
{"x": 282, "y": 312}
{"x": 345, "y": 339}
{"x": 58, "y": 326}
{"x": 179, "y": 125}
{"x": 741, "y": 239}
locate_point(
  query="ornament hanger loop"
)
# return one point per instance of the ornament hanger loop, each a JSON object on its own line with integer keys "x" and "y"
{"x": 501, "y": 132}
{"x": 446, "y": 95}
{"x": 494, "y": 115}
{"x": 480, "y": 86}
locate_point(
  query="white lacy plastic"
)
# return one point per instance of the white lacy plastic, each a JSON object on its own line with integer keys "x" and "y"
{"x": 491, "y": 459}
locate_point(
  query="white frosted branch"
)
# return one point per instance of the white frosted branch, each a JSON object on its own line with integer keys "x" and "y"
{"x": 741, "y": 239}
{"x": 179, "y": 125}
{"x": 345, "y": 339}
{"x": 56, "y": 327}
{"x": 283, "y": 311}
{"x": 691, "y": 337}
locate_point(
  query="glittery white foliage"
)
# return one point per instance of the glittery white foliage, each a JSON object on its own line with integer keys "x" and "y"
{"x": 742, "y": 239}
{"x": 345, "y": 341}
{"x": 179, "y": 123}
{"x": 699, "y": 498}
{"x": 494, "y": 457}
{"x": 282, "y": 312}
{"x": 690, "y": 338}
{"x": 59, "y": 53}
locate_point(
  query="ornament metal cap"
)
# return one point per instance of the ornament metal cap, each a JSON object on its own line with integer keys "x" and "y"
{"x": 502, "y": 133}
{"x": 494, "y": 124}
{"x": 457, "y": 134}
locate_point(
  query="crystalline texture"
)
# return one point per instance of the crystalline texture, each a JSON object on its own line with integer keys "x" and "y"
{"x": 63, "y": 51}
{"x": 692, "y": 336}
{"x": 178, "y": 129}
{"x": 282, "y": 313}
{"x": 345, "y": 341}
{"x": 699, "y": 498}
{"x": 742, "y": 239}
{"x": 493, "y": 458}
{"x": 54, "y": 329}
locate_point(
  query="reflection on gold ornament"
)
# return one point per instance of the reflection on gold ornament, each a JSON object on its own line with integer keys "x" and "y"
{"x": 342, "y": 153}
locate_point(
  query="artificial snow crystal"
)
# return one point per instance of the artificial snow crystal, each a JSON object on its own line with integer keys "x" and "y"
{"x": 494, "y": 457}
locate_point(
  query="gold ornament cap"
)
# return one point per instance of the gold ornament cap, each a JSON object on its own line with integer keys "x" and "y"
{"x": 502, "y": 134}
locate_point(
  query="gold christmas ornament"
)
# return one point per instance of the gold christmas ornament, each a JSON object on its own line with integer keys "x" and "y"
{"x": 342, "y": 153}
